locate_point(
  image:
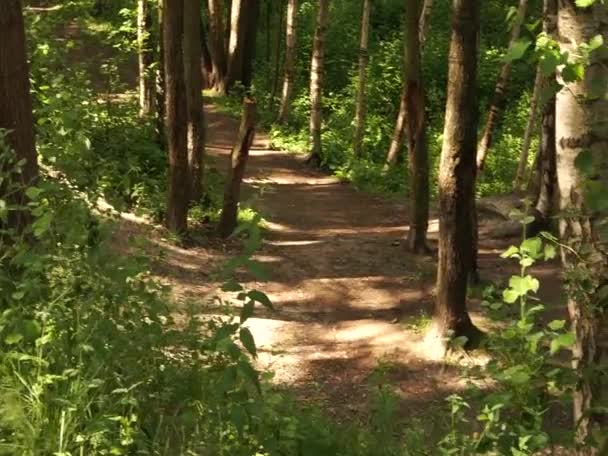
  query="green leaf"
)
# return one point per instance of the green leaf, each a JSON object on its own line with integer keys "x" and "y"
{"x": 573, "y": 72}
{"x": 509, "y": 296}
{"x": 550, "y": 251}
{"x": 556, "y": 325}
{"x": 532, "y": 247}
{"x": 596, "y": 42}
{"x": 262, "y": 298}
{"x": 563, "y": 340}
{"x": 523, "y": 285}
{"x": 517, "y": 50}
{"x": 249, "y": 373}
{"x": 248, "y": 342}
{"x": 33, "y": 193}
{"x": 227, "y": 380}
{"x": 247, "y": 311}
{"x": 584, "y": 3}
{"x": 13, "y": 338}
{"x": 584, "y": 161}
{"x": 511, "y": 252}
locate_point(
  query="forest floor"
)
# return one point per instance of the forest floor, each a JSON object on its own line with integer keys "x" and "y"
{"x": 351, "y": 304}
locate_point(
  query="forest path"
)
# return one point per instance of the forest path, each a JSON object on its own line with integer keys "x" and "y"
{"x": 348, "y": 298}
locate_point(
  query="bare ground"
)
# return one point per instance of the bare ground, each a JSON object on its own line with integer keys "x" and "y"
{"x": 349, "y": 300}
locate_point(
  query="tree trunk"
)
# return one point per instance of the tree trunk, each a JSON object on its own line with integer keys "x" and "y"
{"x": 399, "y": 131}
{"x": 161, "y": 103}
{"x": 546, "y": 160}
{"x": 146, "y": 58}
{"x": 363, "y": 59}
{"x": 252, "y": 14}
{"x": 416, "y": 133}
{"x": 16, "y": 104}
{"x": 236, "y": 170}
{"x": 457, "y": 175}
{"x": 277, "y": 53}
{"x": 206, "y": 60}
{"x": 425, "y": 16}
{"x": 499, "y": 92}
{"x": 316, "y": 83}
{"x": 523, "y": 156}
{"x": 400, "y": 125}
{"x": 194, "y": 88}
{"x": 581, "y": 113}
{"x": 290, "y": 61}
{"x": 217, "y": 46}
{"x": 235, "y": 44}
{"x": 176, "y": 117}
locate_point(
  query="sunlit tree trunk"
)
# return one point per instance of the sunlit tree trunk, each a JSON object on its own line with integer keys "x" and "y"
{"x": 361, "y": 82}
{"x": 400, "y": 124}
{"x": 176, "y": 117}
{"x": 194, "y": 88}
{"x": 16, "y": 104}
{"x": 290, "y": 61}
{"x": 235, "y": 43}
{"x": 581, "y": 127}
{"x": 146, "y": 58}
{"x": 498, "y": 99}
{"x": 316, "y": 82}
{"x": 416, "y": 133}
{"x": 532, "y": 118}
{"x": 217, "y": 44}
{"x": 457, "y": 175}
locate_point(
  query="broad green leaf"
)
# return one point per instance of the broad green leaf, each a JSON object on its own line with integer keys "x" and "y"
{"x": 573, "y": 72}
{"x": 550, "y": 251}
{"x": 262, "y": 298}
{"x": 517, "y": 50}
{"x": 248, "y": 342}
{"x": 532, "y": 246}
{"x": 556, "y": 325}
{"x": 584, "y": 3}
{"x": 563, "y": 340}
{"x": 596, "y": 42}
{"x": 13, "y": 338}
{"x": 510, "y": 252}
{"x": 509, "y": 296}
{"x": 249, "y": 373}
{"x": 246, "y": 311}
{"x": 584, "y": 161}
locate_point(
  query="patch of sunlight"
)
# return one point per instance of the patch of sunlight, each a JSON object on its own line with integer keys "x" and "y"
{"x": 293, "y": 243}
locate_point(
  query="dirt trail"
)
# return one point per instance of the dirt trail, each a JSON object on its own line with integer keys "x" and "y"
{"x": 348, "y": 297}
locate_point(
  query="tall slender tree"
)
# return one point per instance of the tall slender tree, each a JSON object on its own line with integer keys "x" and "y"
{"x": 194, "y": 87}
{"x": 146, "y": 58}
{"x": 581, "y": 137}
{"x": 361, "y": 82}
{"x": 400, "y": 123}
{"x": 498, "y": 99}
{"x": 546, "y": 159}
{"x": 316, "y": 82}
{"x": 416, "y": 132}
{"x": 457, "y": 174}
{"x": 252, "y": 15}
{"x": 236, "y": 42}
{"x": 290, "y": 60}
{"x": 217, "y": 44}
{"x": 16, "y": 102}
{"x": 160, "y": 81}
{"x": 530, "y": 127}
{"x": 176, "y": 117}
